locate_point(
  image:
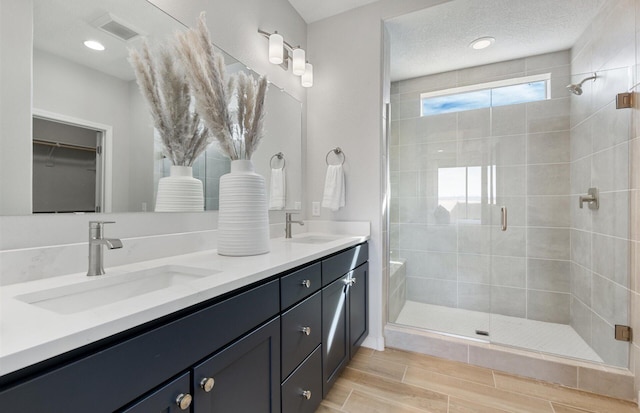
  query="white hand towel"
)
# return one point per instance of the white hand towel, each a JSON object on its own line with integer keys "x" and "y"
{"x": 334, "y": 188}
{"x": 277, "y": 189}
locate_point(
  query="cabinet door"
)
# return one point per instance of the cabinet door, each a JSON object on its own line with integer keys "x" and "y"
{"x": 302, "y": 391}
{"x": 334, "y": 331}
{"x": 170, "y": 398}
{"x": 358, "y": 307}
{"x": 245, "y": 376}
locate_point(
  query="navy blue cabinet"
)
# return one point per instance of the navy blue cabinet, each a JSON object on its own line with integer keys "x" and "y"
{"x": 344, "y": 311}
{"x": 275, "y": 347}
{"x": 245, "y": 377}
{"x": 173, "y": 397}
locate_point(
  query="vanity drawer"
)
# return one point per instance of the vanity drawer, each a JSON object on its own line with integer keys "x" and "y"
{"x": 343, "y": 262}
{"x": 296, "y": 344}
{"x": 306, "y": 378}
{"x": 300, "y": 284}
{"x": 153, "y": 356}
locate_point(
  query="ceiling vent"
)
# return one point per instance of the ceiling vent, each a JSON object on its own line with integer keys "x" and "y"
{"x": 117, "y": 27}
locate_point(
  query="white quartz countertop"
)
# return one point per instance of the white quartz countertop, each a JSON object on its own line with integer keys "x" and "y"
{"x": 30, "y": 334}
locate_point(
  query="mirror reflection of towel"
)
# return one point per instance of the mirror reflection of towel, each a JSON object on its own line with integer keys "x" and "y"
{"x": 277, "y": 189}
{"x": 334, "y": 190}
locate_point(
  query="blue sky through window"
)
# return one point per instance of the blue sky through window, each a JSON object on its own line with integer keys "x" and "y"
{"x": 484, "y": 98}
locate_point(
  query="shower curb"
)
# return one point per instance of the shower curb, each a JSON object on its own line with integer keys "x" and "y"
{"x": 576, "y": 374}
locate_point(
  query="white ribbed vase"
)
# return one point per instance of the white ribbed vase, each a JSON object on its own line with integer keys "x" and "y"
{"x": 180, "y": 191}
{"x": 243, "y": 217}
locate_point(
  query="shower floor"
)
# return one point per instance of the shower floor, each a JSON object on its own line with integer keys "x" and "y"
{"x": 552, "y": 338}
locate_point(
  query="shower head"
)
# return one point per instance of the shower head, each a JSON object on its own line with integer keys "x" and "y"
{"x": 576, "y": 88}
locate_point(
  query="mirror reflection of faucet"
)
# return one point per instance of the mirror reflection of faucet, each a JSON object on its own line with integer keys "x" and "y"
{"x": 591, "y": 198}
{"x": 96, "y": 241}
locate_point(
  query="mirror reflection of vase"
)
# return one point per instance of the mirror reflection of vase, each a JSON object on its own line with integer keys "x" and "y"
{"x": 243, "y": 218}
{"x": 180, "y": 191}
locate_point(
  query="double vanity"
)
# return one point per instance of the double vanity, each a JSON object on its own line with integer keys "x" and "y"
{"x": 196, "y": 332}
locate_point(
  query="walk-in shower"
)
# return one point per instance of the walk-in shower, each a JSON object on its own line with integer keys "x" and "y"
{"x": 553, "y": 278}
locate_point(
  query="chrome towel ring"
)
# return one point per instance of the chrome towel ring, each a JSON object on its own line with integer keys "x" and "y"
{"x": 280, "y": 156}
{"x": 338, "y": 152}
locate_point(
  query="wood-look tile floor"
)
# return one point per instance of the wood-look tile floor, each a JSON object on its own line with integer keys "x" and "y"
{"x": 394, "y": 381}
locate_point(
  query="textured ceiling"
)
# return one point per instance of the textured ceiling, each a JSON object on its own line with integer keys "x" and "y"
{"x": 314, "y": 10}
{"x": 437, "y": 39}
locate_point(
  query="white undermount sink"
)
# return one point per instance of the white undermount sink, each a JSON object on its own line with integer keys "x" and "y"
{"x": 315, "y": 239}
{"x": 108, "y": 289}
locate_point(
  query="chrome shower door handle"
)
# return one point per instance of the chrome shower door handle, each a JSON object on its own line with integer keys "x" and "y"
{"x": 503, "y": 218}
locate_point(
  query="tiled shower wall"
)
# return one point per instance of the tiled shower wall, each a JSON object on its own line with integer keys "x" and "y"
{"x": 471, "y": 264}
{"x": 600, "y": 158}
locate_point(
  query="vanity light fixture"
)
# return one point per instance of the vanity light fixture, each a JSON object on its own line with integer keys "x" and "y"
{"x": 276, "y": 48}
{"x": 307, "y": 76}
{"x": 299, "y": 61}
{"x": 482, "y": 43}
{"x": 280, "y": 52}
{"x": 94, "y": 45}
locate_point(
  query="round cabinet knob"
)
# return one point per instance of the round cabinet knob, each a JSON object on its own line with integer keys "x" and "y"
{"x": 207, "y": 384}
{"x": 353, "y": 280}
{"x": 306, "y": 394}
{"x": 184, "y": 401}
{"x": 306, "y": 330}
{"x": 306, "y": 283}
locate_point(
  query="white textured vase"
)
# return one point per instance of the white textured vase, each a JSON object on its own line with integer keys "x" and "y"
{"x": 180, "y": 191}
{"x": 243, "y": 217}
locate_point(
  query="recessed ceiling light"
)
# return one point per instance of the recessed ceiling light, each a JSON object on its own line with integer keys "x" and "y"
{"x": 92, "y": 44}
{"x": 482, "y": 43}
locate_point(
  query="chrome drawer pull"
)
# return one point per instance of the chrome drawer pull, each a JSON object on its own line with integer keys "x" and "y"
{"x": 207, "y": 384}
{"x": 306, "y": 394}
{"x": 184, "y": 401}
{"x": 306, "y": 283}
{"x": 306, "y": 330}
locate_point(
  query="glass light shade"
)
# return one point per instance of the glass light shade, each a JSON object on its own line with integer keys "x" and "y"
{"x": 276, "y": 49}
{"x": 307, "y": 77}
{"x": 299, "y": 59}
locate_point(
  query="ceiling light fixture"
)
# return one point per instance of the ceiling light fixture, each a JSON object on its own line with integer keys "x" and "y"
{"x": 94, "y": 45}
{"x": 482, "y": 43}
{"x": 280, "y": 52}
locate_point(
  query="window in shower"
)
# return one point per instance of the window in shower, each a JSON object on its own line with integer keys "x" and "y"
{"x": 485, "y": 95}
{"x": 463, "y": 190}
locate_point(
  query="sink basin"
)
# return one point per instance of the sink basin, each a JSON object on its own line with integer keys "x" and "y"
{"x": 110, "y": 289}
{"x": 315, "y": 239}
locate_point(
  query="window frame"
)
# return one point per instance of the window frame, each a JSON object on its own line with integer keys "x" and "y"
{"x": 546, "y": 77}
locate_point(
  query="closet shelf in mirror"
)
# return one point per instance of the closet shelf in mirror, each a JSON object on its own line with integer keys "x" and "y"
{"x": 63, "y": 145}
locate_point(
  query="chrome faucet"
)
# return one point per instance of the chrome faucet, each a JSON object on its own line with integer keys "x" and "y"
{"x": 288, "y": 222}
{"x": 96, "y": 241}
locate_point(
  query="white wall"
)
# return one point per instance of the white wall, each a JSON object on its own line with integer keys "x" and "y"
{"x": 16, "y": 35}
{"x": 344, "y": 108}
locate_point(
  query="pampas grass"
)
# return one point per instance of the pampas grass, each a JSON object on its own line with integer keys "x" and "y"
{"x": 163, "y": 84}
{"x": 205, "y": 72}
{"x": 251, "y": 96}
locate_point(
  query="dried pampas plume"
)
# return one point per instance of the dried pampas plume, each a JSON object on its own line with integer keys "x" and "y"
{"x": 205, "y": 72}
{"x": 251, "y": 97}
{"x": 166, "y": 90}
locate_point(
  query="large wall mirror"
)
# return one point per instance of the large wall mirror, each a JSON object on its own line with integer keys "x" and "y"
{"x": 91, "y": 124}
